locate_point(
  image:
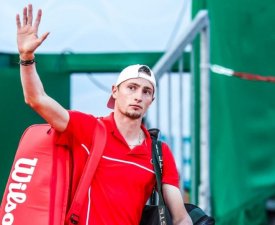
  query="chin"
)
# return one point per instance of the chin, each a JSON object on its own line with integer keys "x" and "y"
{"x": 133, "y": 115}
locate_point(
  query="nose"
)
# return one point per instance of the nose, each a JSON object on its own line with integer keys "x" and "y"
{"x": 138, "y": 96}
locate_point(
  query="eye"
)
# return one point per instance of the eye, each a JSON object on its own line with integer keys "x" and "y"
{"x": 132, "y": 87}
{"x": 147, "y": 92}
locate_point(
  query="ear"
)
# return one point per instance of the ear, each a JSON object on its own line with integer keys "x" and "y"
{"x": 153, "y": 98}
{"x": 151, "y": 101}
{"x": 114, "y": 91}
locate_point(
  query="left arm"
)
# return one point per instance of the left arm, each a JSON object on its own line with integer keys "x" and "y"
{"x": 173, "y": 199}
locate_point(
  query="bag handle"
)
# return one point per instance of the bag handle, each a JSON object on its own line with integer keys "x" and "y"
{"x": 88, "y": 173}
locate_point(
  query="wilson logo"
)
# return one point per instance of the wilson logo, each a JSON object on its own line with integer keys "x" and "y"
{"x": 21, "y": 175}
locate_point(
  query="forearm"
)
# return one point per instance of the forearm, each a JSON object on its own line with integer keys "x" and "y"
{"x": 173, "y": 199}
{"x": 32, "y": 86}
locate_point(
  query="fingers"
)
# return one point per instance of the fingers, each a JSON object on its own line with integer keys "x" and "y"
{"x": 43, "y": 37}
{"x": 29, "y": 14}
{"x": 27, "y": 17}
{"x": 18, "y": 22}
{"x": 38, "y": 19}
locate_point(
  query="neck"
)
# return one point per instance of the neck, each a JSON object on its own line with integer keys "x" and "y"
{"x": 130, "y": 129}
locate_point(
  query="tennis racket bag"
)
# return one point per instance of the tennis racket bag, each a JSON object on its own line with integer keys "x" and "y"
{"x": 38, "y": 186}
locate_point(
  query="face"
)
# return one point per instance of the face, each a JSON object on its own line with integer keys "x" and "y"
{"x": 133, "y": 97}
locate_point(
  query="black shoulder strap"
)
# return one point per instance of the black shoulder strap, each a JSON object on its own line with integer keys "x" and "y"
{"x": 156, "y": 147}
{"x": 157, "y": 161}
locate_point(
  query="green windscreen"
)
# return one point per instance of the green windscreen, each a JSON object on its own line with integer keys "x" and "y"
{"x": 242, "y": 112}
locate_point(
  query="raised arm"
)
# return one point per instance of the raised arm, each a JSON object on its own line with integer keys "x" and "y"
{"x": 34, "y": 94}
{"x": 173, "y": 198}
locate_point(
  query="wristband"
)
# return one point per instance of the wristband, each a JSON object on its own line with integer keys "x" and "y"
{"x": 26, "y": 62}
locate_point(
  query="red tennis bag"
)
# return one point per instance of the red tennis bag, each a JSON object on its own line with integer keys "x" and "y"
{"x": 38, "y": 186}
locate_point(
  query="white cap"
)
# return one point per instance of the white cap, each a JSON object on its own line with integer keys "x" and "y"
{"x": 130, "y": 72}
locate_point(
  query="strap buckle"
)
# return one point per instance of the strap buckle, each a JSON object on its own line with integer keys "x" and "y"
{"x": 74, "y": 219}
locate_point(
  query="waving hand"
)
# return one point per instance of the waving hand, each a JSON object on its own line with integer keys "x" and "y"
{"x": 27, "y": 33}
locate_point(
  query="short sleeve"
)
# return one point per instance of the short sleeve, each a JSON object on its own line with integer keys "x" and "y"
{"x": 170, "y": 173}
{"x": 79, "y": 129}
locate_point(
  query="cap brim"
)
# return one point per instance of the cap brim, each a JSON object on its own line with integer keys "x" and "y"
{"x": 111, "y": 102}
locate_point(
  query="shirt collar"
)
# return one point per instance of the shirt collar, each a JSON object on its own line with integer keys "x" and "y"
{"x": 112, "y": 128}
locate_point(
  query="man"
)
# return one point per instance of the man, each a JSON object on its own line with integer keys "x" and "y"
{"x": 124, "y": 178}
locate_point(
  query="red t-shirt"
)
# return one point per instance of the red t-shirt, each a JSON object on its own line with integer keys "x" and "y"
{"x": 124, "y": 178}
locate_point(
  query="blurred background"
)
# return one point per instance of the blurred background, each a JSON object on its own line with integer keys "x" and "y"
{"x": 214, "y": 66}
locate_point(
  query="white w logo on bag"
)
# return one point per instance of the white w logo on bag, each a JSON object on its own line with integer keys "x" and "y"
{"x": 21, "y": 174}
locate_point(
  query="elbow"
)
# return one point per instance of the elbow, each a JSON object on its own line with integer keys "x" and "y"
{"x": 27, "y": 101}
{"x": 33, "y": 102}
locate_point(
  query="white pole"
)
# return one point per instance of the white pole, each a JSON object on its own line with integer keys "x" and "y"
{"x": 204, "y": 187}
